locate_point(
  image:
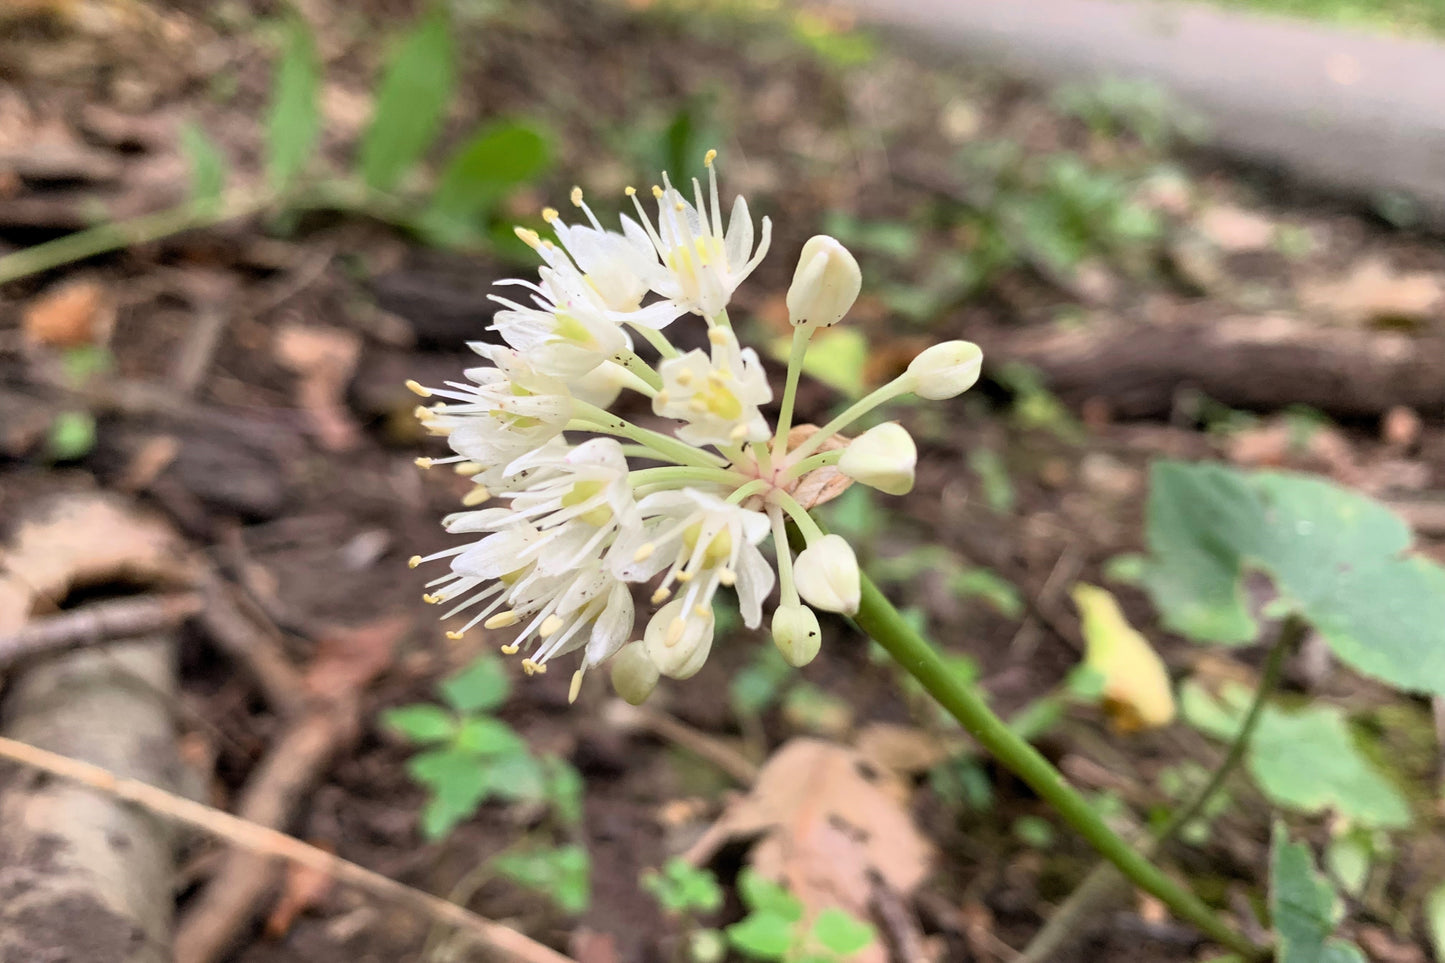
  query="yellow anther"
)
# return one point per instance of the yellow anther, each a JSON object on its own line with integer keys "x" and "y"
{"x": 708, "y": 158}
{"x": 738, "y": 433}
{"x": 502, "y": 619}
{"x": 661, "y": 595}
{"x": 417, "y": 388}
{"x": 476, "y": 496}
{"x": 577, "y": 197}
{"x": 717, "y": 378}
{"x": 630, "y": 191}
{"x": 548, "y": 244}
{"x": 644, "y": 553}
{"x": 422, "y": 462}
{"x": 467, "y": 468}
{"x": 431, "y": 599}
{"x": 528, "y": 666}
{"x": 674, "y": 632}
{"x": 552, "y": 624}
{"x": 662, "y": 398}
{"x": 511, "y": 649}
{"x": 657, "y": 192}
{"x": 413, "y": 562}
{"x": 679, "y": 207}
{"x": 718, "y": 336}
{"x": 422, "y": 413}
{"x": 454, "y": 636}
{"x": 684, "y": 577}
{"x": 550, "y": 214}
{"x": 700, "y": 610}
{"x": 575, "y": 687}
{"x": 683, "y": 377}
{"x": 698, "y": 405}
{"x": 529, "y": 237}
{"x": 727, "y": 576}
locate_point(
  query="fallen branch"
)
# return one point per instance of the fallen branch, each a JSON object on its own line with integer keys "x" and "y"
{"x": 276, "y": 844}
{"x": 98, "y": 622}
{"x": 670, "y": 729}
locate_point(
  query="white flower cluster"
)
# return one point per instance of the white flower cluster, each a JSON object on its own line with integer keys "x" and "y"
{"x": 573, "y": 505}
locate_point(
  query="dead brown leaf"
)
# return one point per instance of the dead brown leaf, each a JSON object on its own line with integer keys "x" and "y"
{"x": 1375, "y": 293}
{"x": 348, "y": 658}
{"x": 825, "y": 820}
{"x": 323, "y": 360}
{"x": 303, "y": 888}
{"x": 821, "y": 485}
{"x": 904, "y": 750}
{"x": 70, "y": 316}
{"x": 1235, "y": 230}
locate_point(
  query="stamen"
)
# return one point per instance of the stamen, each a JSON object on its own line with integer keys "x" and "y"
{"x": 430, "y": 599}
{"x": 576, "y": 197}
{"x": 502, "y": 619}
{"x": 422, "y": 462}
{"x": 630, "y": 191}
{"x": 727, "y": 576}
{"x": 738, "y": 433}
{"x": 718, "y": 336}
{"x": 476, "y": 496}
{"x": 529, "y": 237}
{"x": 708, "y": 158}
{"x": 684, "y": 377}
{"x": 551, "y": 624}
{"x": 413, "y": 562}
{"x": 468, "y": 468}
{"x": 642, "y": 554}
{"x": 674, "y": 632}
{"x": 700, "y": 610}
{"x": 455, "y": 636}
{"x": 657, "y": 192}
{"x": 417, "y": 388}
{"x": 550, "y": 214}
{"x": 575, "y": 687}
{"x": 684, "y": 577}
{"x": 512, "y": 649}
{"x": 662, "y": 397}
{"x": 661, "y": 595}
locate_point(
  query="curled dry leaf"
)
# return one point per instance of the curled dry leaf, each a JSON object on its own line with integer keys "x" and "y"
{"x": 905, "y": 750}
{"x": 70, "y": 316}
{"x": 825, "y": 820}
{"x": 821, "y": 485}
{"x": 83, "y": 539}
{"x": 323, "y": 360}
{"x": 303, "y": 888}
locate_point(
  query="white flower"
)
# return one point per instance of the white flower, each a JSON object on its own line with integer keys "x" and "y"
{"x": 564, "y": 335}
{"x": 825, "y": 284}
{"x": 705, "y": 264}
{"x": 717, "y": 397}
{"x": 796, "y": 634}
{"x": 826, "y": 575}
{"x": 678, "y": 639}
{"x": 945, "y": 370}
{"x": 883, "y": 457}
{"x": 610, "y": 271}
{"x": 634, "y": 674}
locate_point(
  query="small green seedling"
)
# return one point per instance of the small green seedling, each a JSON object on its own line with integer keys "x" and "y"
{"x": 560, "y": 874}
{"x": 774, "y": 928}
{"x": 683, "y": 889}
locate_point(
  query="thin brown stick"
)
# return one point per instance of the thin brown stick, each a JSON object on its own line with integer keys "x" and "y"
{"x": 123, "y": 618}
{"x": 673, "y": 730}
{"x": 273, "y": 843}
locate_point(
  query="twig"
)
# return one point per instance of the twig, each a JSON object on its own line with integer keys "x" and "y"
{"x": 96, "y": 623}
{"x": 276, "y": 844}
{"x": 254, "y": 647}
{"x": 667, "y": 728}
{"x": 1104, "y": 881}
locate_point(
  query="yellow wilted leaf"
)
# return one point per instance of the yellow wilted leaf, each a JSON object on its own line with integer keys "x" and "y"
{"x": 1135, "y": 684}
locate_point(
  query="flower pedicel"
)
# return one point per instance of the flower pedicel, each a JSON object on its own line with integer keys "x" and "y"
{"x": 572, "y": 505}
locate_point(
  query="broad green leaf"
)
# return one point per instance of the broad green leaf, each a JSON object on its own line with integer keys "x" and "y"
{"x": 1342, "y": 560}
{"x": 1137, "y": 692}
{"x": 410, "y": 103}
{"x": 838, "y": 357}
{"x": 207, "y": 163}
{"x": 294, "y": 122}
{"x": 421, "y": 723}
{"x": 517, "y": 776}
{"x": 765, "y": 896}
{"x": 1348, "y": 858}
{"x": 459, "y": 784}
{"x": 562, "y": 874}
{"x": 480, "y": 687}
{"x": 841, "y": 933}
{"x": 492, "y": 162}
{"x": 762, "y": 936}
{"x": 485, "y": 736}
{"x": 1303, "y": 907}
{"x": 681, "y": 887}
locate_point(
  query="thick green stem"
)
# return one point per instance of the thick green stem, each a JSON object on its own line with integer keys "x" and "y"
{"x": 115, "y": 235}
{"x": 1104, "y": 881}
{"x": 877, "y": 617}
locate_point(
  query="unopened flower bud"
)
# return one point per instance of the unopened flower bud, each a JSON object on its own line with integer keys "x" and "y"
{"x": 678, "y": 639}
{"x": 796, "y": 634}
{"x": 825, "y": 284}
{"x": 826, "y": 575}
{"x": 946, "y": 370}
{"x": 634, "y": 675}
{"x": 883, "y": 458}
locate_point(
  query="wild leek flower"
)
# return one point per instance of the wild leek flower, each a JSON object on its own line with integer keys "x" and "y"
{"x": 573, "y": 505}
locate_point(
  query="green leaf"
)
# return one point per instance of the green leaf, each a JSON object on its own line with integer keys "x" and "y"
{"x": 459, "y": 784}
{"x": 410, "y": 103}
{"x": 1307, "y": 760}
{"x": 681, "y": 887}
{"x": 998, "y": 488}
{"x": 421, "y": 722}
{"x": 480, "y": 687}
{"x": 763, "y": 895}
{"x": 838, "y": 357}
{"x": 563, "y": 788}
{"x": 1342, "y": 560}
{"x": 208, "y": 164}
{"x": 517, "y": 776}
{"x": 485, "y": 736}
{"x": 841, "y": 933}
{"x": 1001, "y": 594}
{"x": 294, "y": 123}
{"x": 1303, "y": 907}
{"x": 492, "y": 162}
{"x": 762, "y": 936}
{"x": 1435, "y": 919}
{"x": 72, "y": 436}
{"x": 562, "y": 874}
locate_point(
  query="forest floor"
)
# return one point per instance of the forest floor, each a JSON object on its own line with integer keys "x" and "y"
{"x": 1087, "y": 240}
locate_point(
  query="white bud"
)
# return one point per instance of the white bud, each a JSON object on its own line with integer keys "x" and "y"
{"x": 946, "y": 370}
{"x": 678, "y": 639}
{"x": 826, "y": 575}
{"x": 796, "y": 634}
{"x": 883, "y": 458}
{"x": 825, "y": 284}
{"x": 634, "y": 675}
{"x": 601, "y": 385}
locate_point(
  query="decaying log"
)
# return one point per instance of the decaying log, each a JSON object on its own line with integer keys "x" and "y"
{"x": 1254, "y": 363}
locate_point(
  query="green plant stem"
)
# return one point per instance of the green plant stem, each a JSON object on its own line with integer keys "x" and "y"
{"x": 1104, "y": 881}
{"x": 877, "y": 617}
{"x": 115, "y": 235}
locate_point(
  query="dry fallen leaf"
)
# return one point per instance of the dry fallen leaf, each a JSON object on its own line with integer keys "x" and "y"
{"x": 70, "y": 316}
{"x": 1136, "y": 689}
{"x": 302, "y": 889}
{"x": 904, "y": 750}
{"x": 348, "y": 658}
{"x": 323, "y": 360}
{"x": 825, "y": 821}
{"x": 1375, "y": 293}
{"x": 820, "y": 485}
{"x": 1235, "y": 230}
